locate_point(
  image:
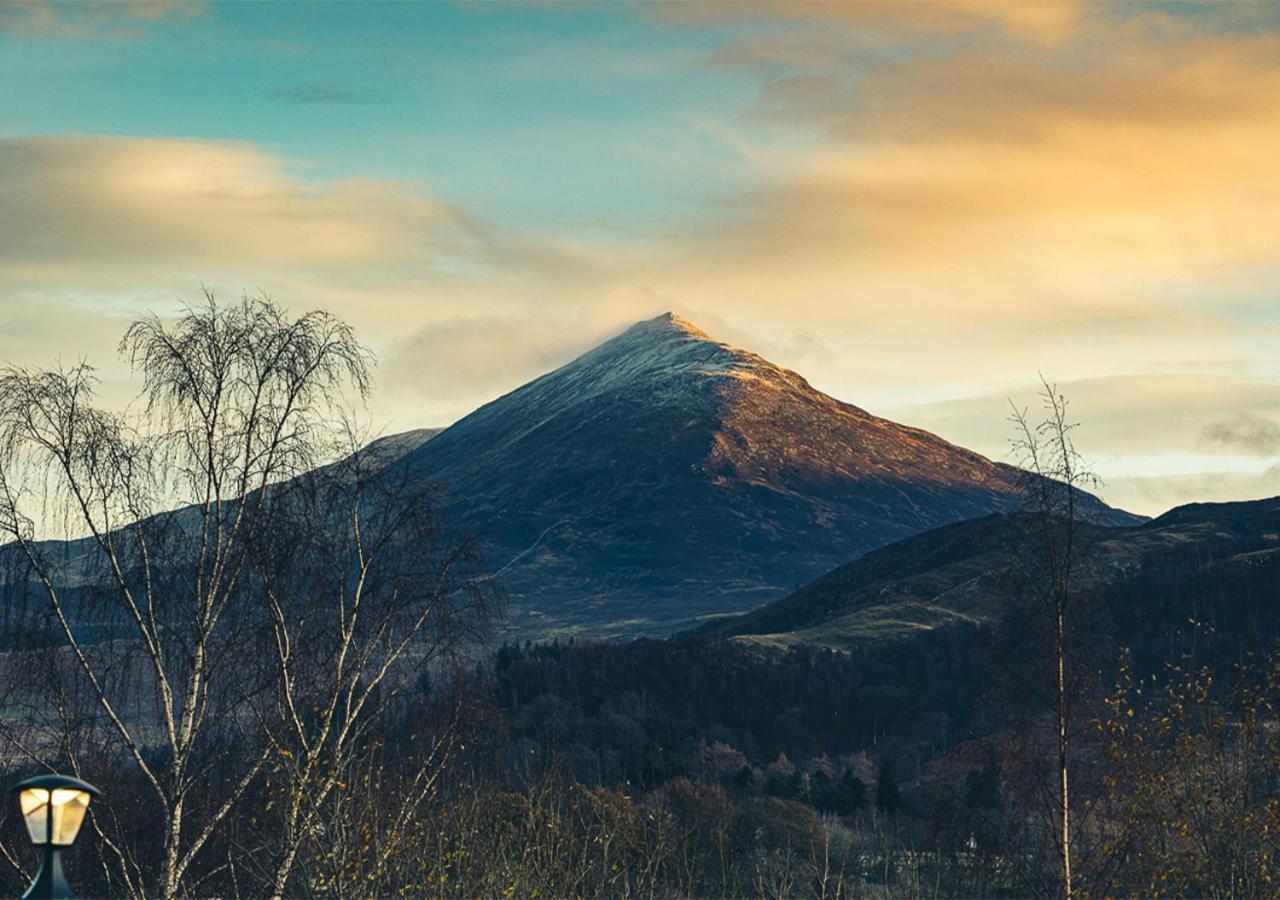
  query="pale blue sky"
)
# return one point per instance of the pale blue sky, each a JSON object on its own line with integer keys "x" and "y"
{"x": 588, "y": 117}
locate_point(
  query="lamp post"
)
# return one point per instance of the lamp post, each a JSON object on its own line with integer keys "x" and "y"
{"x": 53, "y": 807}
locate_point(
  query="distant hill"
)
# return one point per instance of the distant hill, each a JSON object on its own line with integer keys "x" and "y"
{"x": 665, "y": 476}
{"x": 387, "y": 450}
{"x": 1218, "y": 564}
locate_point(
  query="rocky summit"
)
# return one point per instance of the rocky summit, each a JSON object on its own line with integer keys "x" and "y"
{"x": 664, "y": 477}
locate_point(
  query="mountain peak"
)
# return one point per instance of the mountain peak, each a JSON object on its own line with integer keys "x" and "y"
{"x": 669, "y": 324}
{"x": 657, "y": 356}
{"x": 678, "y": 322}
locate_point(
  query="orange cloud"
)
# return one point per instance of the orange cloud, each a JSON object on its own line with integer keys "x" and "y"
{"x": 1039, "y": 21}
{"x": 1016, "y": 194}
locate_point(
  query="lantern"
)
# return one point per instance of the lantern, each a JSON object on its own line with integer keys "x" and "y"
{"x": 53, "y": 807}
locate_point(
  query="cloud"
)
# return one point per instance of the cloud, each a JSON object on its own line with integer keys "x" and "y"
{"x": 476, "y": 359}
{"x": 1040, "y": 22}
{"x": 111, "y": 226}
{"x": 977, "y": 203}
{"x": 1244, "y": 432}
{"x": 120, "y": 212}
{"x": 44, "y": 331}
{"x": 1128, "y": 166}
{"x": 1144, "y": 434}
{"x": 117, "y": 20}
{"x": 319, "y": 93}
{"x": 1138, "y": 415}
{"x": 1153, "y": 495}
{"x": 81, "y": 208}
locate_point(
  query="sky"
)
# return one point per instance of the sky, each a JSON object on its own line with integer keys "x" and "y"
{"x": 918, "y": 206}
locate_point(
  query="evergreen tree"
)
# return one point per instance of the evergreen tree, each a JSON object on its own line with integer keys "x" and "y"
{"x": 888, "y": 797}
{"x": 798, "y": 787}
{"x": 982, "y": 788}
{"x": 853, "y": 793}
{"x": 822, "y": 793}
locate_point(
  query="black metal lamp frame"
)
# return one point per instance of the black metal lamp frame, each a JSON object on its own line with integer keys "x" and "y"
{"x": 50, "y": 881}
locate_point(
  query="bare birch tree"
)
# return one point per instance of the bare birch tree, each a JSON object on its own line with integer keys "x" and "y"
{"x": 1056, "y": 477}
{"x": 367, "y": 593}
{"x": 164, "y": 504}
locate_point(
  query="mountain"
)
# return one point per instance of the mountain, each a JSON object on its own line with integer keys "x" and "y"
{"x": 665, "y": 476}
{"x": 1217, "y": 564}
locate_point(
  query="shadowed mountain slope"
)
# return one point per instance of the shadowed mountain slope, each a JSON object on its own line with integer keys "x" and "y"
{"x": 665, "y": 476}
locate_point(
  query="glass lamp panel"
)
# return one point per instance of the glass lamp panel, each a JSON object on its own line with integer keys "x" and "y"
{"x": 69, "y": 807}
{"x": 34, "y": 803}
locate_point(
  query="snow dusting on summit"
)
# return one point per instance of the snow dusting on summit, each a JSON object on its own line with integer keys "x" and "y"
{"x": 657, "y": 353}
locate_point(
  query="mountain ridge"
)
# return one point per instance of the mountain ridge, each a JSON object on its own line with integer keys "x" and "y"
{"x": 968, "y": 574}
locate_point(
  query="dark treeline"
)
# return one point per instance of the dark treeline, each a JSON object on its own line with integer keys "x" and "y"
{"x": 808, "y": 701}
{"x": 521, "y": 809}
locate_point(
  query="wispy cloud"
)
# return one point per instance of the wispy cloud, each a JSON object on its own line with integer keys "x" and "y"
{"x": 117, "y": 20}
{"x": 1156, "y": 494}
{"x": 1039, "y": 22}
{"x": 1135, "y": 415}
{"x": 1244, "y": 432}
{"x": 124, "y": 224}
{"x": 1081, "y": 169}
{"x": 987, "y": 196}
{"x": 485, "y": 356}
